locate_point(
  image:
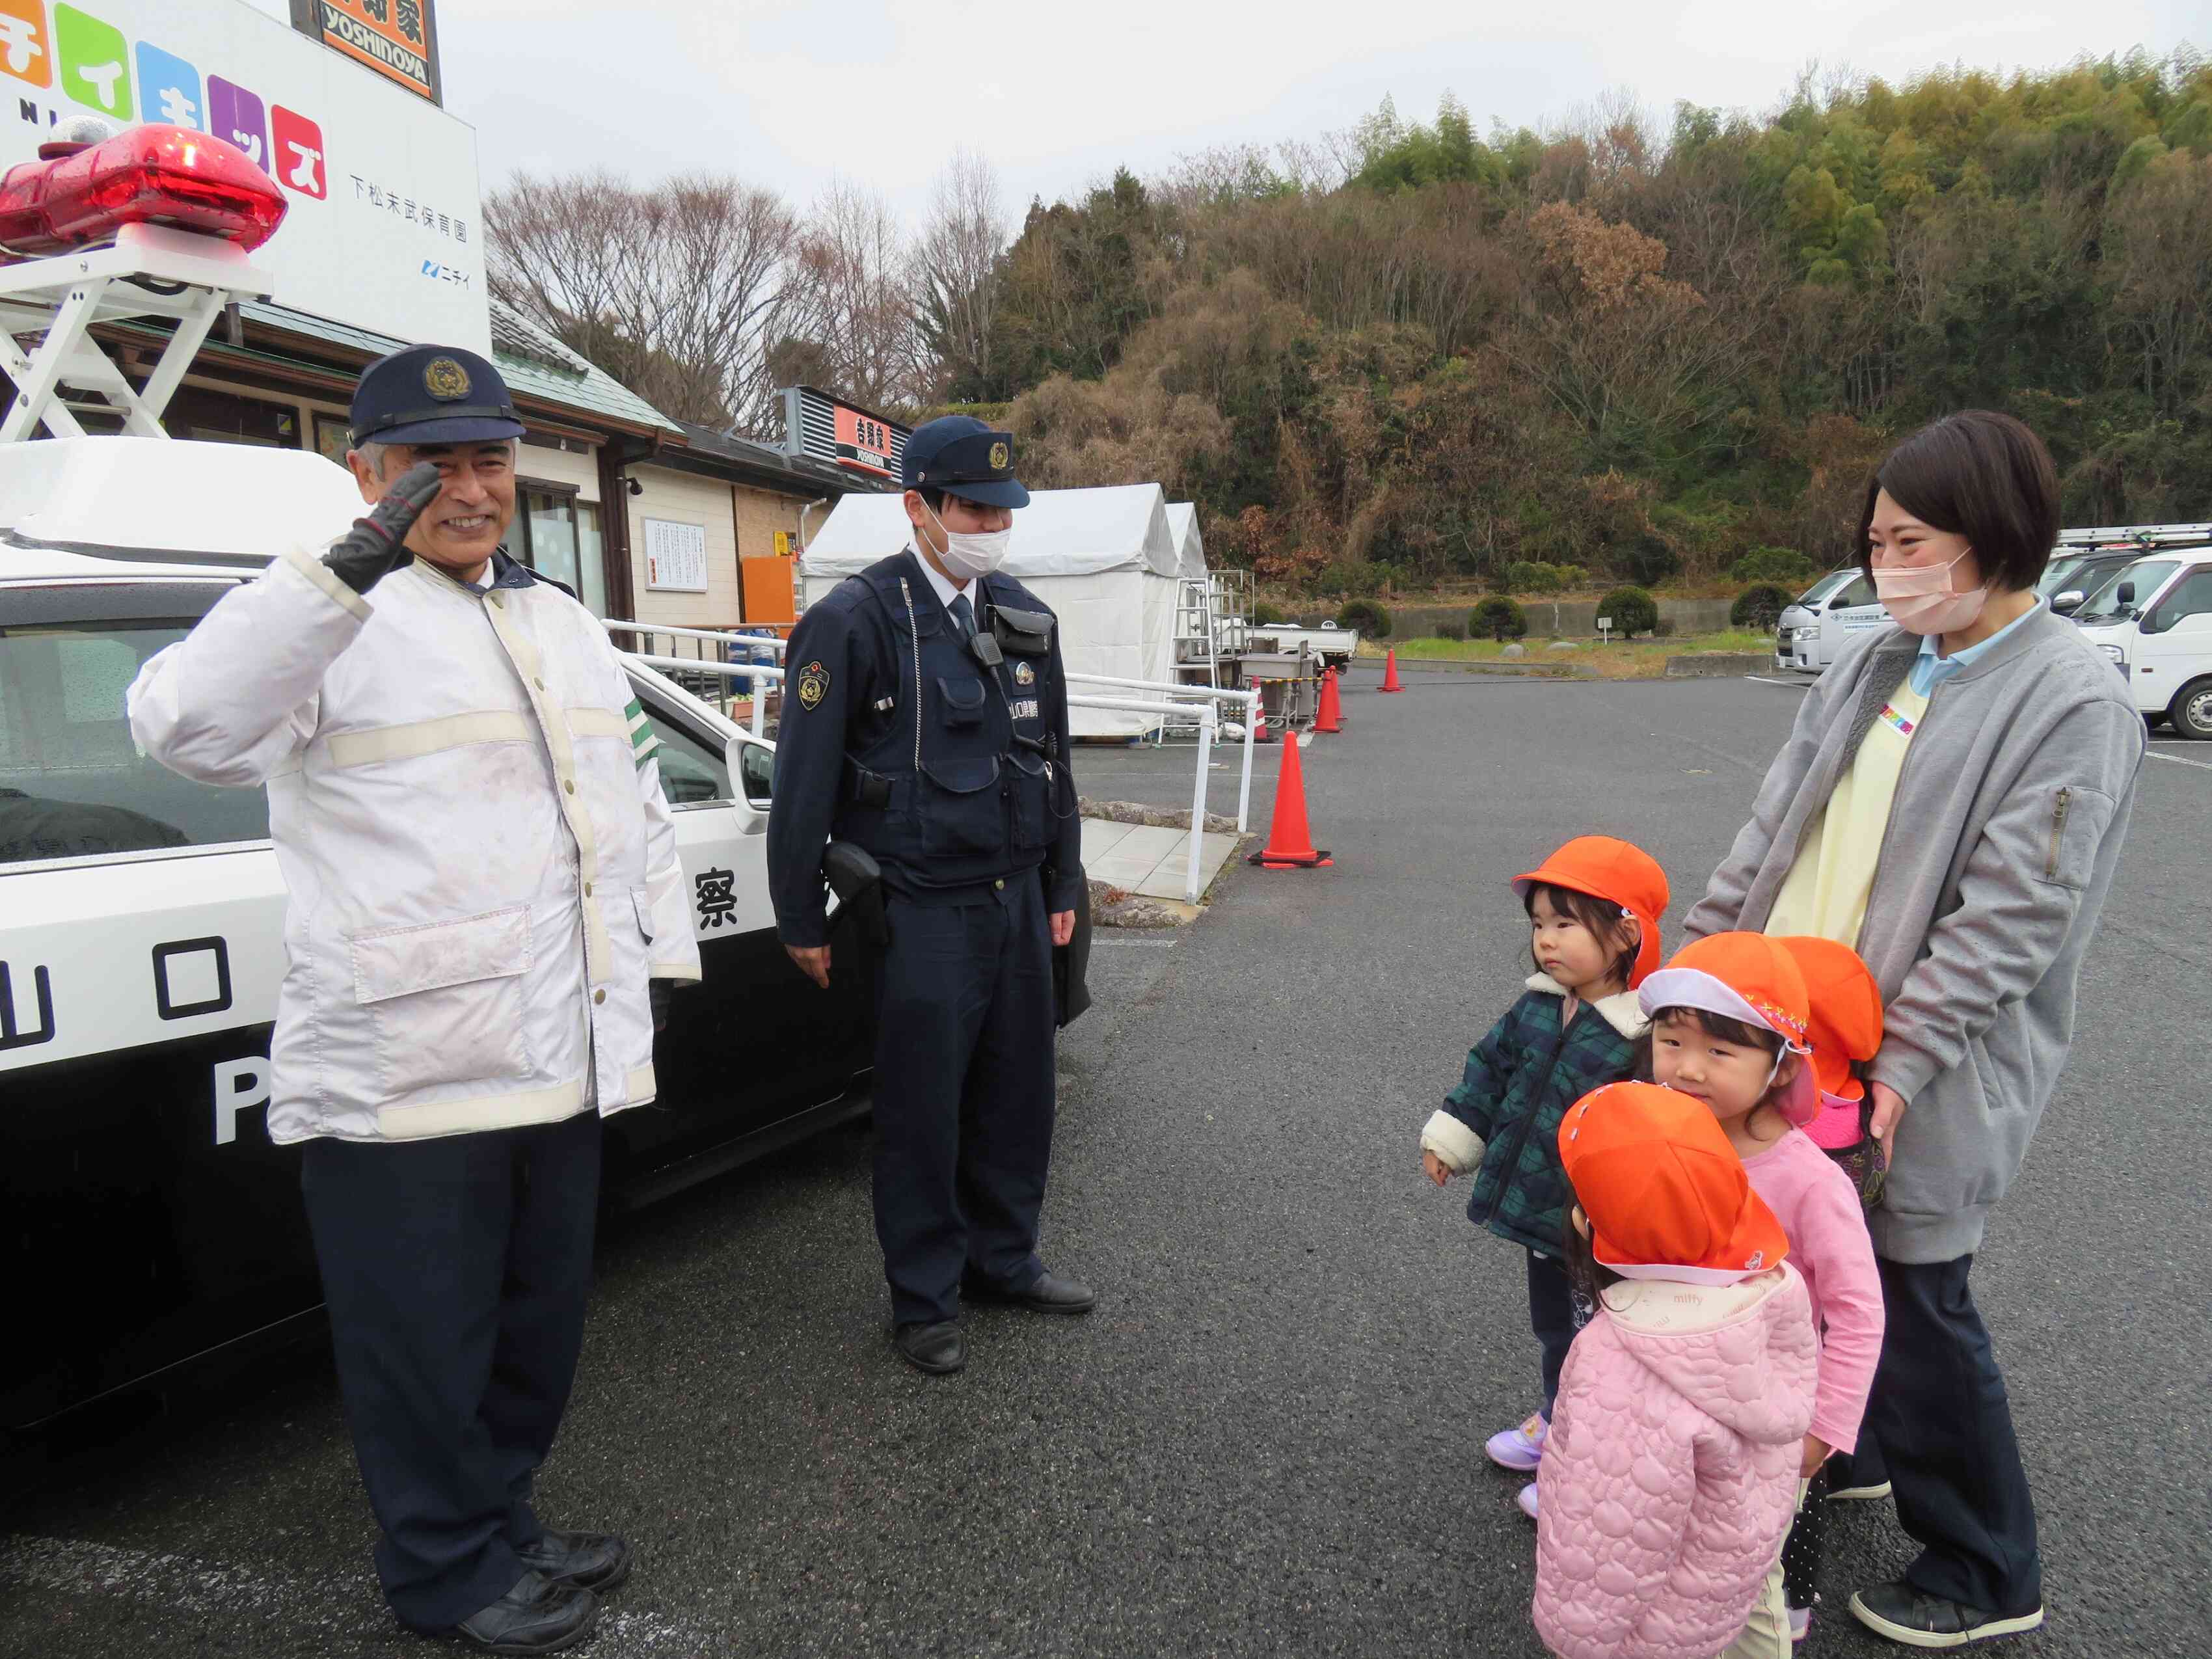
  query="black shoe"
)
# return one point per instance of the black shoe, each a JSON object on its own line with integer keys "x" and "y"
{"x": 1049, "y": 1294}
{"x": 536, "y": 1616}
{"x": 1920, "y": 1621}
{"x": 1847, "y": 1481}
{"x": 596, "y": 1561}
{"x": 939, "y": 1349}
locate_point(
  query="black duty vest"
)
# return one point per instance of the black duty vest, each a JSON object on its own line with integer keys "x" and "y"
{"x": 970, "y": 788}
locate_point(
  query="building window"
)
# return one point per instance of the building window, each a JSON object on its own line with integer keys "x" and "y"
{"x": 559, "y": 536}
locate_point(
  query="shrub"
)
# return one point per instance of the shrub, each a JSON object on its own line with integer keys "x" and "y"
{"x": 1265, "y": 614}
{"x": 1759, "y": 607}
{"x": 1450, "y": 631}
{"x": 1529, "y": 576}
{"x": 1634, "y": 611}
{"x": 1354, "y": 577}
{"x": 1369, "y": 617}
{"x": 1498, "y": 619}
{"x": 1771, "y": 564}
{"x": 1649, "y": 561}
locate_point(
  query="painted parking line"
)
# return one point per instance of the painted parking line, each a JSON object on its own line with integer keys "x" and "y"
{"x": 2178, "y": 760}
{"x": 1766, "y": 679}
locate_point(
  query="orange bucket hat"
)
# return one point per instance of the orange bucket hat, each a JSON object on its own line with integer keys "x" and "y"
{"x": 1846, "y": 1026}
{"x": 1617, "y": 871}
{"x": 1751, "y": 978}
{"x": 1666, "y": 1194}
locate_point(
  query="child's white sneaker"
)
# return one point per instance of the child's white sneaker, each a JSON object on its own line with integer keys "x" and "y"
{"x": 1521, "y": 1448}
{"x": 1527, "y": 1500}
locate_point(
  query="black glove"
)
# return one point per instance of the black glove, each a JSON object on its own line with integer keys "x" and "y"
{"x": 658, "y": 992}
{"x": 375, "y": 547}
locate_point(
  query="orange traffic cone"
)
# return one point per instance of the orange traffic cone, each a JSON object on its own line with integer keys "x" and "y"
{"x": 1331, "y": 716}
{"x": 1390, "y": 672}
{"x": 1261, "y": 731}
{"x": 1290, "y": 842}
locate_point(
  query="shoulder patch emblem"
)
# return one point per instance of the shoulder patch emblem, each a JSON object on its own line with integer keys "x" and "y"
{"x": 813, "y": 685}
{"x": 1024, "y": 674}
{"x": 445, "y": 379}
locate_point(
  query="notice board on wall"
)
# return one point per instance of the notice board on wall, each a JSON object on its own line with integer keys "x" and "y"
{"x": 675, "y": 556}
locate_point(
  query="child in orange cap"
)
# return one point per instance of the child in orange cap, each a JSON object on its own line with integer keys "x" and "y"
{"x": 1671, "y": 1471}
{"x": 1846, "y": 1033}
{"x": 1593, "y": 909}
{"x": 1733, "y": 1024}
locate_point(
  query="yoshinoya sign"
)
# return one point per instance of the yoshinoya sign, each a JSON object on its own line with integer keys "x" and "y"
{"x": 817, "y": 424}
{"x": 394, "y": 38}
{"x": 383, "y": 231}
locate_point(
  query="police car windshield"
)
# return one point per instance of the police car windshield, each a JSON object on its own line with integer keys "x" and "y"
{"x": 1827, "y": 584}
{"x": 72, "y": 783}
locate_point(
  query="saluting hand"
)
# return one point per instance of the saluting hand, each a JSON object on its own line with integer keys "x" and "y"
{"x": 813, "y": 961}
{"x": 376, "y": 546}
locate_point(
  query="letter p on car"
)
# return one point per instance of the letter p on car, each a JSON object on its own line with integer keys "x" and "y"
{"x": 239, "y": 1085}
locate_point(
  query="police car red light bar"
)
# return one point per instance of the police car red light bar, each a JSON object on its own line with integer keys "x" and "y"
{"x": 151, "y": 175}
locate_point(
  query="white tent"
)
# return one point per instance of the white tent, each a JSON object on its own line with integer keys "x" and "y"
{"x": 1104, "y": 560}
{"x": 1190, "y": 546}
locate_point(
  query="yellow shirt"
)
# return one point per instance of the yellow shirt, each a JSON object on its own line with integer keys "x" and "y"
{"x": 1826, "y": 891}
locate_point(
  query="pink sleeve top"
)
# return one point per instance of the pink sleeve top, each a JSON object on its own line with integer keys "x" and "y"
{"x": 1820, "y": 1211}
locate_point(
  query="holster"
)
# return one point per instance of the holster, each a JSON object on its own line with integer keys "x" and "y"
{"x": 857, "y": 879}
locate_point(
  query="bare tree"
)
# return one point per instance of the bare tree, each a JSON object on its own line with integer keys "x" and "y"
{"x": 676, "y": 288}
{"x": 855, "y": 303}
{"x": 955, "y": 272}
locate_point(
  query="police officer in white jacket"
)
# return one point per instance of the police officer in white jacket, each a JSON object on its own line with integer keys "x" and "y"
{"x": 482, "y": 880}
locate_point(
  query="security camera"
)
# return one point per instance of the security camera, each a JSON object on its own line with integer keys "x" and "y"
{"x": 636, "y": 488}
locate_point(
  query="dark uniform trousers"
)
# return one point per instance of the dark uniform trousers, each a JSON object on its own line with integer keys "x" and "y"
{"x": 455, "y": 1271}
{"x": 963, "y": 1095}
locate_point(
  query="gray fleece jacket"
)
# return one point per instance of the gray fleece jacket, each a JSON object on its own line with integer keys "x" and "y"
{"x": 2001, "y": 843}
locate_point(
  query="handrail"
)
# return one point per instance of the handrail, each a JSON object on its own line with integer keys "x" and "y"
{"x": 1208, "y": 721}
{"x": 769, "y": 641}
{"x": 1248, "y": 696}
{"x": 735, "y": 671}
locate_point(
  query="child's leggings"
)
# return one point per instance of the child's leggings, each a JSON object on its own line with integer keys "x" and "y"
{"x": 1807, "y": 1544}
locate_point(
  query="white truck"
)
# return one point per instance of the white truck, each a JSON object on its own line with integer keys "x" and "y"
{"x": 2154, "y": 619}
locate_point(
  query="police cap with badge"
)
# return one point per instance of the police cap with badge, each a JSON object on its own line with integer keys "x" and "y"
{"x": 432, "y": 394}
{"x": 961, "y": 456}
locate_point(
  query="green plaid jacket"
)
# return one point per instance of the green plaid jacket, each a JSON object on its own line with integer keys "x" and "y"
{"x": 1520, "y": 1080}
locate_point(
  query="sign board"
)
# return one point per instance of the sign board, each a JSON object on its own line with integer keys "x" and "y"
{"x": 783, "y": 544}
{"x": 817, "y": 424}
{"x": 392, "y": 37}
{"x": 384, "y": 230}
{"x": 675, "y": 556}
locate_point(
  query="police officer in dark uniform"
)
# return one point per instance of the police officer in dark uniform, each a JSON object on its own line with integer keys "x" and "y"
{"x": 925, "y": 719}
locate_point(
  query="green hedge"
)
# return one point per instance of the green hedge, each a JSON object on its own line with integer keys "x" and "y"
{"x": 1772, "y": 564}
{"x": 1760, "y": 607}
{"x": 1369, "y": 617}
{"x": 1497, "y": 618}
{"x": 1634, "y": 611}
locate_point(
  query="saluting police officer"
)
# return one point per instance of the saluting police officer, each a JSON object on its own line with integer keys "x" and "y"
{"x": 925, "y": 719}
{"x": 483, "y": 879}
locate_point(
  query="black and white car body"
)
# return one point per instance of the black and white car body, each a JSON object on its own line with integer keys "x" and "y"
{"x": 142, "y": 939}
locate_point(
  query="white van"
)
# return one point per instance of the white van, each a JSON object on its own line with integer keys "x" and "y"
{"x": 2154, "y": 619}
{"x": 1812, "y": 628}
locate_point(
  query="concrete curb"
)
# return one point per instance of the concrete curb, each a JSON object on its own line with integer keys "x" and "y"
{"x": 1717, "y": 665}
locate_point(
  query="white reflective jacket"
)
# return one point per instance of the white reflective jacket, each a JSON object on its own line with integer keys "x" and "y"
{"x": 467, "y": 811}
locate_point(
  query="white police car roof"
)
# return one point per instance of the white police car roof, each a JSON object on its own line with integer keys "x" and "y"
{"x": 76, "y": 506}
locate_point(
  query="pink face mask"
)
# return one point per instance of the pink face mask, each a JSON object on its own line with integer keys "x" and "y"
{"x": 1920, "y": 600}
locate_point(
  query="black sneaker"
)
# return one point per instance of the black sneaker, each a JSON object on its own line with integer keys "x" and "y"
{"x": 1917, "y": 1620}
{"x": 536, "y": 1616}
{"x": 1847, "y": 1482}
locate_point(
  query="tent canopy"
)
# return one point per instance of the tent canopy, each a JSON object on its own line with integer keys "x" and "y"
{"x": 1190, "y": 546}
{"x": 1062, "y": 532}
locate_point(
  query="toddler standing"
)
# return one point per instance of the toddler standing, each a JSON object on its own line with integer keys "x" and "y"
{"x": 1594, "y": 909}
{"x": 1731, "y": 1026}
{"x": 1670, "y": 1473}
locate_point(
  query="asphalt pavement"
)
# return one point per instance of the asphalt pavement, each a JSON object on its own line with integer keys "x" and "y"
{"x": 1267, "y": 1440}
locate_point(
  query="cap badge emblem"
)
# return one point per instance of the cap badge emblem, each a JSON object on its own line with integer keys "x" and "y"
{"x": 445, "y": 379}
{"x": 1024, "y": 674}
{"x": 1000, "y": 458}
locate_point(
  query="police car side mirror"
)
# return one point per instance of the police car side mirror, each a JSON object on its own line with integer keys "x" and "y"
{"x": 752, "y": 776}
{"x": 2069, "y": 602}
{"x": 2126, "y": 595}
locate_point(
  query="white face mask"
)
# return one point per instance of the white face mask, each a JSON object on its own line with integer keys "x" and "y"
{"x": 970, "y": 554}
{"x": 1920, "y": 600}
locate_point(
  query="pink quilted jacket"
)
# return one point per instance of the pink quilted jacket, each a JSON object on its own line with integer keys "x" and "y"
{"x": 1670, "y": 1474}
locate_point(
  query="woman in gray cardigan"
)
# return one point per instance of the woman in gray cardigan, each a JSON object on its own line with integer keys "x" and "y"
{"x": 1951, "y": 803}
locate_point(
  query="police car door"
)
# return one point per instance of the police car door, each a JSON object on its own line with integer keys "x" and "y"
{"x": 141, "y": 949}
{"x": 756, "y": 1043}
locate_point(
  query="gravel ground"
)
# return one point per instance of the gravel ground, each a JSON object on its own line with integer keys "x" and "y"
{"x": 1267, "y": 1439}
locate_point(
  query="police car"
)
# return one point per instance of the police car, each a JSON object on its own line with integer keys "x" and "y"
{"x": 142, "y": 939}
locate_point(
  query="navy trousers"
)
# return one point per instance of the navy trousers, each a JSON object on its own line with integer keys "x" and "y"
{"x": 455, "y": 1273}
{"x": 964, "y": 1096}
{"x": 1940, "y": 1418}
{"x": 1551, "y": 1317}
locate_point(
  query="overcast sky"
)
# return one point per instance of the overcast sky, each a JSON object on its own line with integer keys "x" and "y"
{"x": 1056, "y": 94}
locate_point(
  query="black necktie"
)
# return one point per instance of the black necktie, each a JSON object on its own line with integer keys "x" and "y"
{"x": 963, "y": 616}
